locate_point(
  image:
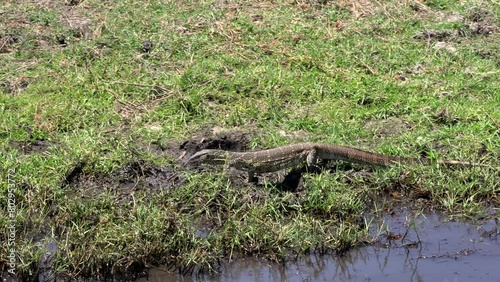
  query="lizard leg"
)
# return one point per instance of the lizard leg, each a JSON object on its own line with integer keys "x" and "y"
{"x": 225, "y": 169}
{"x": 312, "y": 160}
{"x": 252, "y": 177}
{"x": 312, "y": 157}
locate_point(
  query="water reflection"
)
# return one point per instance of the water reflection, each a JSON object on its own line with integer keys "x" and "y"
{"x": 411, "y": 248}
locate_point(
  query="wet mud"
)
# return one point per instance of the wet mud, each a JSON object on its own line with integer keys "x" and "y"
{"x": 133, "y": 176}
{"x": 231, "y": 141}
{"x": 33, "y": 146}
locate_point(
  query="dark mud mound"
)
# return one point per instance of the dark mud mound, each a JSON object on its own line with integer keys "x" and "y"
{"x": 230, "y": 141}
{"x": 482, "y": 22}
{"x": 135, "y": 176}
{"x": 35, "y": 146}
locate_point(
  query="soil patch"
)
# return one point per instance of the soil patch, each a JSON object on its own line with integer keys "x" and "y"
{"x": 436, "y": 35}
{"x": 482, "y": 22}
{"x": 477, "y": 22}
{"x": 387, "y": 126}
{"x": 14, "y": 87}
{"x": 230, "y": 141}
{"x": 7, "y": 42}
{"x": 35, "y": 146}
{"x": 134, "y": 176}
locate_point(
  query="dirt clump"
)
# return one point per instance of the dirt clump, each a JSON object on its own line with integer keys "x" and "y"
{"x": 436, "y": 35}
{"x": 34, "y": 146}
{"x": 230, "y": 141}
{"x": 14, "y": 87}
{"x": 482, "y": 22}
{"x": 387, "y": 126}
{"x": 135, "y": 176}
{"x": 7, "y": 41}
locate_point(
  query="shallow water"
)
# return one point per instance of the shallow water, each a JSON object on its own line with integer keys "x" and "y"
{"x": 411, "y": 248}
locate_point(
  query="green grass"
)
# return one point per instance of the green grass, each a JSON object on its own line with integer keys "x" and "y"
{"x": 75, "y": 76}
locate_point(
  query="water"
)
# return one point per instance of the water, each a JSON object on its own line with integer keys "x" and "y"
{"x": 410, "y": 248}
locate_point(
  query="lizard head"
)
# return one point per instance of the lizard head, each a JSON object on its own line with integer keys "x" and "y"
{"x": 209, "y": 156}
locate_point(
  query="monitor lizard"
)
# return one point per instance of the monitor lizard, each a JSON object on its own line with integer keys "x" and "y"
{"x": 279, "y": 158}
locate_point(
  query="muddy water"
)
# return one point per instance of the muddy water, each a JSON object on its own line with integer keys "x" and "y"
{"x": 409, "y": 248}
